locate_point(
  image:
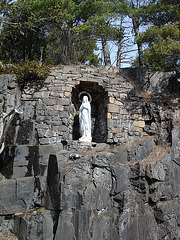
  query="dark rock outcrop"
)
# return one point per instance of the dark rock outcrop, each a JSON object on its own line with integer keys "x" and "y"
{"x": 54, "y": 188}
{"x": 102, "y": 193}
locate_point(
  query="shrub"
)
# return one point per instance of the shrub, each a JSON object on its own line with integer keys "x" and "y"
{"x": 30, "y": 74}
{"x": 5, "y": 68}
{"x": 1, "y": 67}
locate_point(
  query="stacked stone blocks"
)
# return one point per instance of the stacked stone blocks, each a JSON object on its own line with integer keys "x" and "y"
{"x": 55, "y": 111}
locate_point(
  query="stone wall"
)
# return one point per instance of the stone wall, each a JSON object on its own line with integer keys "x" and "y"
{"x": 51, "y": 114}
{"x": 120, "y": 112}
{"x": 58, "y": 104}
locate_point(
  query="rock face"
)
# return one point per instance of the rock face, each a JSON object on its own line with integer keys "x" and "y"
{"x": 99, "y": 193}
{"x": 16, "y": 195}
{"x": 63, "y": 190}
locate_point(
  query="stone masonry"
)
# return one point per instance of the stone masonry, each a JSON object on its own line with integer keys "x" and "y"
{"x": 51, "y": 114}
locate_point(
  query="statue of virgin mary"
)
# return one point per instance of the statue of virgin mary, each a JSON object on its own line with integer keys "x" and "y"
{"x": 85, "y": 120}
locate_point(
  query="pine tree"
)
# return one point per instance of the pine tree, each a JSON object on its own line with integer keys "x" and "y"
{"x": 162, "y": 36}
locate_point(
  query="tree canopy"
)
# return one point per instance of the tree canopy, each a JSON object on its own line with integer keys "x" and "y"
{"x": 52, "y": 29}
{"x": 67, "y": 31}
{"x": 162, "y": 38}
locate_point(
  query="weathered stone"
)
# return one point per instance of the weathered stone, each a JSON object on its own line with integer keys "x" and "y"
{"x": 65, "y": 229}
{"x": 121, "y": 175}
{"x": 36, "y": 224}
{"x": 57, "y": 107}
{"x": 109, "y": 116}
{"x": 123, "y": 95}
{"x": 67, "y": 94}
{"x": 49, "y": 101}
{"x": 113, "y": 108}
{"x": 111, "y": 99}
{"x": 52, "y": 198}
{"x": 64, "y": 114}
{"x": 141, "y": 150}
{"x": 139, "y": 124}
{"x": 16, "y": 195}
{"x": 123, "y": 111}
{"x": 61, "y": 128}
{"x": 115, "y": 117}
{"x": 160, "y": 191}
{"x": 41, "y": 94}
{"x": 18, "y": 160}
{"x": 176, "y": 145}
{"x": 118, "y": 103}
{"x": 50, "y": 133}
{"x": 157, "y": 171}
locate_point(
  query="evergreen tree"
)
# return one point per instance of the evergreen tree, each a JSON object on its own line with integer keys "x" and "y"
{"x": 163, "y": 35}
{"x": 33, "y": 28}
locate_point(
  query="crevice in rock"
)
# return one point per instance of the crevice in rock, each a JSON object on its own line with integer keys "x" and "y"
{"x": 33, "y": 161}
{"x": 176, "y": 162}
{"x": 114, "y": 184}
{"x": 151, "y": 203}
{"x": 7, "y": 161}
{"x": 139, "y": 184}
{"x": 151, "y": 181}
{"x": 163, "y": 199}
{"x": 37, "y": 187}
{"x": 53, "y": 186}
{"x": 120, "y": 203}
{"x": 55, "y": 221}
{"x": 159, "y": 217}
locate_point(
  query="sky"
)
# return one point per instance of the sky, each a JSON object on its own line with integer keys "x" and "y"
{"x": 129, "y": 47}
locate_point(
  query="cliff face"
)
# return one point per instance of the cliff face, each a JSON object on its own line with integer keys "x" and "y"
{"x": 124, "y": 186}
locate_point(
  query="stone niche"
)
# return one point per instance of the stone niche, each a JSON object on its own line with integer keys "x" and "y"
{"x": 98, "y": 110}
{"x": 51, "y": 114}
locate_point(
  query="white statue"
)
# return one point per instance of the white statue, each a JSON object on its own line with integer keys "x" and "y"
{"x": 85, "y": 120}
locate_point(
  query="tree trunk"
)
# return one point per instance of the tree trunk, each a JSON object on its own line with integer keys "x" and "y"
{"x": 69, "y": 53}
{"x": 106, "y": 52}
{"x": 41, "y": 56}
{"x": 140, "y": 51}
{"x": 119, "y": 51}
{"x": 119, "y": 55}
{"x": 1, "y": 27}
{"x": 136, "y": 24}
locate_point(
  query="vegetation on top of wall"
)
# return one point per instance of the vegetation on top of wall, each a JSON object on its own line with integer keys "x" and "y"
{"x": 1, "y": 68}
{"x": 30, "y": 74}
{"x": 5, "y": 68}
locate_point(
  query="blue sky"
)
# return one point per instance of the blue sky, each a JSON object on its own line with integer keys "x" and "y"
{"x": 129, "y": 47}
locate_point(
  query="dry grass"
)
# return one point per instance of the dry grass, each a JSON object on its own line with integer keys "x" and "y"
{"x": 8, "y": 236}
{"x": 134, "y": 142}
{"x": 156, "y": 155}
{"x": 177, "y": 122}
{"x": 147, "y": 95}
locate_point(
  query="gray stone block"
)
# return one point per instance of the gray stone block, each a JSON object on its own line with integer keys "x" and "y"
{"x": 122, "y": 179}
{"x": 16, "y": 195}
{"x": 34, "y": 225}
{"x": 65, "y": 228}
{"x": 8, "y": 197}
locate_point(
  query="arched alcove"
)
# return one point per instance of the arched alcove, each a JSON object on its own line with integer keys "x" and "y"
{"x": 98, "y": 110}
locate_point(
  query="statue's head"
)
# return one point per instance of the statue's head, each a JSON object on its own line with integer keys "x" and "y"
{"x": 85, "y": 99}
